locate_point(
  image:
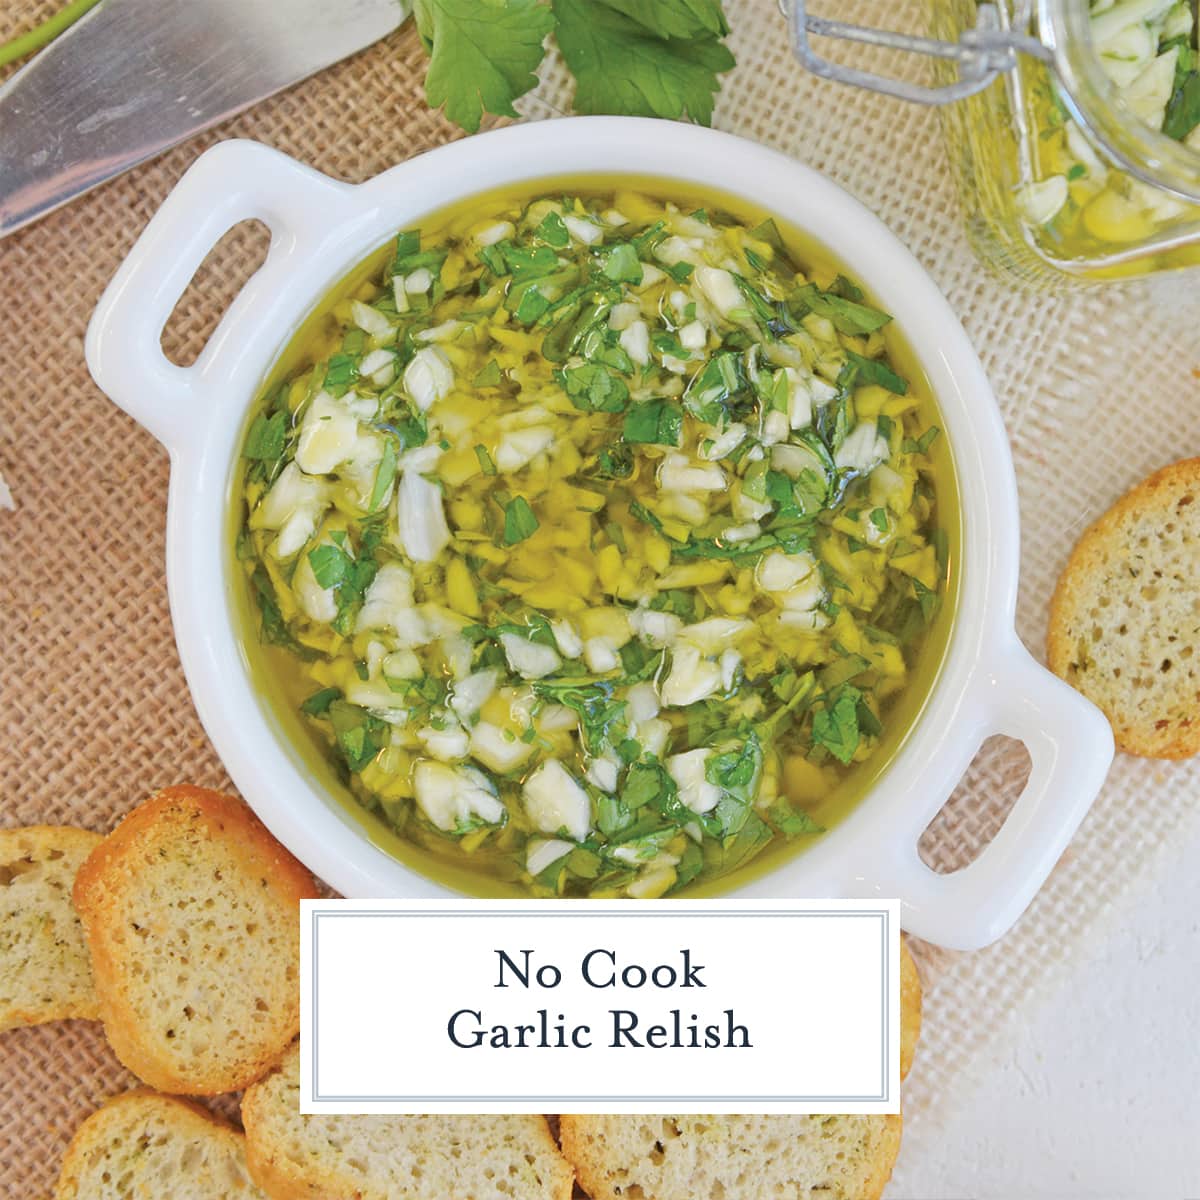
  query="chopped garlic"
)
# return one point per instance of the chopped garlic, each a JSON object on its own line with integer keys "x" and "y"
{"x": 805, "y": 594}
{"x": 655, "y": 628}
{"x": 450, "y": 796}
{"x": 688, "y": 771}
{"x": 654, "y": 883}
{"x": 328, "y": 433}
{"x": 470, "y": 694}
{"x": 623, "y": 315}
{"x": 730, "y": 663}
{"x": 555, "y": 802}
{"x": 400, "y": 664}
{"x": 602, "y": 773}
{"x": 1044, "y": 199}
{"x": 811, "y": 620}
{"x": 890, "y": 487}
{"x": 421, "y": 528}
{"x": 651, "y": 275}
{"x": 689, "y": 507}
{"x": 775, "y": 428}
{"x": 692, "y": 678}
{"x": 600, "y": 655}
{"x": 428, "y": 377}
{"x": 529, "y": 659}
{"x": 587, "y": 232}
{"x": 369, "y": 320}
{"x": 391, "y": 592}
{"x": 805, "y": 392}
{"x": 720, "y": 288}
{"x": 297, "y": 531}
{"x": 409, "y": 628}
{"x": 725, "y": 443}
{"x": 741, "y": 533}
{"x": 643, "y": 702}
{"x": 717, "y": 633}
{"x": 1150, "y": 91}
{"x": 317, "y": 602}
{"x": 379, "y": 367}
{"x": 544, "y": 852}
{"x": 439, "y": 333}
{"x": 653, "y": 735}
{"x": 693, "y": 336}
{"x": 419, "y": 282}
{"x": 519, "y": 447}
{"x": 674, "y": 250}
{"x": 863, "y": 449}
{"x": 779, "y": 572}
{"x": 567, "y": 639}
{"x": 498, "y": 749}
{"x": 292, "y": 492}
{"x": 556, "y": 717}
{"x": 445, "y": 745}
{"x": 635, "y": 341}
{"x": 678, "y": 473}
{"x": 496, "y": 232}
{"x": 746, "y": 509}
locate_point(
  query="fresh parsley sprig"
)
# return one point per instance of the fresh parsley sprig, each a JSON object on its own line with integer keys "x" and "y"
{"x": 629, "y": 57}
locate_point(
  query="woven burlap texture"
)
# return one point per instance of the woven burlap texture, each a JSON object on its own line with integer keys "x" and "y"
{"x": 1097, "y": 389}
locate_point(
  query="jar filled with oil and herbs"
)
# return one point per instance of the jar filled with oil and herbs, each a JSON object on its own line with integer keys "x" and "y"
{"x": 1073, "y": 128}
{"x": 1084, "y": 165}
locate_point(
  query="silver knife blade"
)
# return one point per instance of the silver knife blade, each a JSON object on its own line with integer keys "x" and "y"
{"x": 135, "y": 77}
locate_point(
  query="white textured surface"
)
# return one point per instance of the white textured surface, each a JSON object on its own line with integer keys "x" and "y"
{"x": 1088, "y": 1094}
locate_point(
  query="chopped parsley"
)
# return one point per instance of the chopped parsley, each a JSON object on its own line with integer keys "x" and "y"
{"x": 654, "y": 422}
{"x": 520, "y": 522}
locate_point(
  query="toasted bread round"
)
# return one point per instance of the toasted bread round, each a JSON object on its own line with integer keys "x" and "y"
{"x": 143, "y": 1146}
{"x": 294, "y": 1157}
{"x": 1125, "y": 618}
{"x": 910, "y": 1008}
{"x": 745, "y": 1157}
{"x": 44, "y": 969}
{"x": 732, "y": 1157}
{"x": 191, "y": 914}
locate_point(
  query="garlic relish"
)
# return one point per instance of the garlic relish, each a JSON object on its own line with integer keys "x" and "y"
{"x": 599, "y": 540}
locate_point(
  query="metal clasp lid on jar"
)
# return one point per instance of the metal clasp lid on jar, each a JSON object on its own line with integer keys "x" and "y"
{"x": 983, "y": 54}
{"x": 989, "y": 50}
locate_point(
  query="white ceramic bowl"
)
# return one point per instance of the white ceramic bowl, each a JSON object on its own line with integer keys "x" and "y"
{"x": 321, "y": 228}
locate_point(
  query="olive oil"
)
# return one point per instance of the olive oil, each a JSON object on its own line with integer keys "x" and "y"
{"x": 487, "y": 859}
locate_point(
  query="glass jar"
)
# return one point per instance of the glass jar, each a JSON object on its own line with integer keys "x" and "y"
{"x": 1061, "y": 180}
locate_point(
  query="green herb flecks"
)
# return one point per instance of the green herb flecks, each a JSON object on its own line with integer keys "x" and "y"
{"x": 592, "y": 387}
{"x": 848, "y": 316}
{"x": 835, "y": 727}
{"x": 654, "y": 422}
{"x": 520, "y": 521}
{"x": 267, "y": 437}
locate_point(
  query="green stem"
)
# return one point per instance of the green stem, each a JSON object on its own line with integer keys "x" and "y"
{"x": 805, "y": 690}
{"x": 44, "y": 33}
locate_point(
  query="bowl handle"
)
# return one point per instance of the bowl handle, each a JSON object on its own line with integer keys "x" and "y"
{"x": 1070, "y": 745}
{"x": 235, "y": 181}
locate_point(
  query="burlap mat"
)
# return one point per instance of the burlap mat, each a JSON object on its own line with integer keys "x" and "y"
{"x": 1097, "y": 388}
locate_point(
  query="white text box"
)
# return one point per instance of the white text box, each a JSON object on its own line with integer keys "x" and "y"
{"x": 596, "y": 1006}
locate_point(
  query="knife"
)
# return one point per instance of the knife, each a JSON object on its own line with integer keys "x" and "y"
{"x": 135, "y": 77}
